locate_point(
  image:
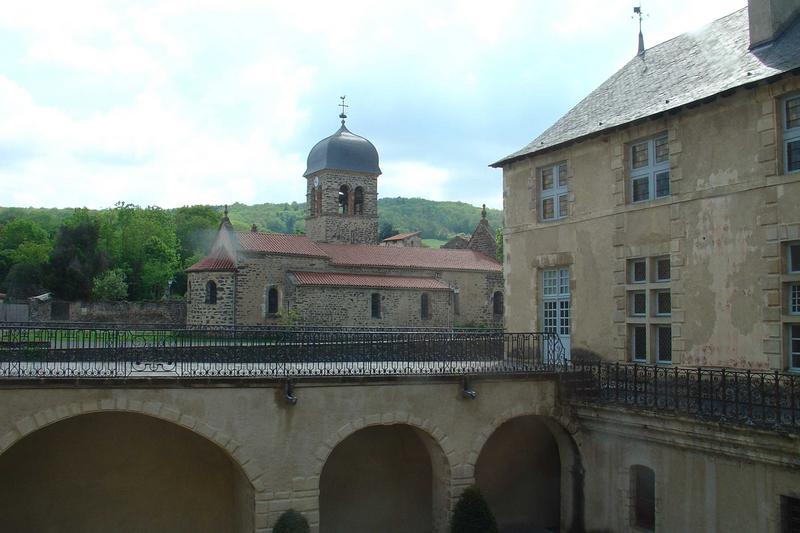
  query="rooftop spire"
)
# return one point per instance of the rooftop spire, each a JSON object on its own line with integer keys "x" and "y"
{"x": 637, "y": 11}
{"x": 344, "y": 106}
{"x": 483, "y": 212}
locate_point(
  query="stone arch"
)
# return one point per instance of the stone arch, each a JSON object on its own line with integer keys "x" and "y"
{"x": 562, "y": 429}
{"x": 439, "y": 448}
{"x": 46, "y": 417}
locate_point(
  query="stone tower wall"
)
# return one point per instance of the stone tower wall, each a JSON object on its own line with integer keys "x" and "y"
{"x": 330, "y": 225}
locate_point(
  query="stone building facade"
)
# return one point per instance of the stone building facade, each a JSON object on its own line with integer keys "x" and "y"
{"x": 665, "y": 233}
{"x": 658, "y": 223}
{"x": 261, "y": 279}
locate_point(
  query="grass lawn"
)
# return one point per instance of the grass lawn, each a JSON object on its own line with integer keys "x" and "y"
{"x": 432, "y": 243}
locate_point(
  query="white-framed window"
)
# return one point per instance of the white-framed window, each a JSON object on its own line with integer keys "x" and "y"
{"x": 794, "y": 346}
{"x": 661, "y": 269}
{"x": 638, "y": 341}
{"x": 556, "y": 309}
{"x": 791, "y": 133}
{"x": 637, "y": 271}
{"x": 663, "y": 344}
{"x": 553, "y": 196}
{"x": 638, "y": 303}
{"x": 649, "y": 169}
{"x": 793, "y": 258}
{"x": 663, "y": 303}
{"x": 794, "y": 299}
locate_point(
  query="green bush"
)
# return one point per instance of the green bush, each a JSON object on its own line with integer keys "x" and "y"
{"x": 472, "y": 514}
{"x": 291, "y": 522}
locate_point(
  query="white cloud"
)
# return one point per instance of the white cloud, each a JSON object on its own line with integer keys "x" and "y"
{"x": 413, "y": 178}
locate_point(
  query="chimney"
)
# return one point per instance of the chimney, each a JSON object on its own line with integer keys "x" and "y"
{"x": 254, "y": 228}
{"x": 768, "y": 19}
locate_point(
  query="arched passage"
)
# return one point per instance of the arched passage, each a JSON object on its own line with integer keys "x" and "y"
{"x": 388, "y": 478}
{"x": 124, "y": 472}
{"x": 530, "y": 474}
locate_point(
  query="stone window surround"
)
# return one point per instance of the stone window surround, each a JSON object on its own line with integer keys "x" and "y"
{"x": 788, "y": 135}
{"x": 548, "y": 262}
{"x": 559, "y": 189}
{"x": 650, "y": 170}
{"x": 534, "y": 193}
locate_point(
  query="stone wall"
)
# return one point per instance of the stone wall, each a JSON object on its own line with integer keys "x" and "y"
{"x": 349, "y": 306}
{"x": 201, "y": 313}
{"x": 330, "y": 225}
{"x": 724, "y": 228}
{"x": 168, "y": 313}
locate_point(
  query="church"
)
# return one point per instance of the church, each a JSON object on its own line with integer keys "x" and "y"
{"x": 338, "y": 274}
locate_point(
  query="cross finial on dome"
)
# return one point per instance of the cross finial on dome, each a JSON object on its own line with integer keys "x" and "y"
{"x": 344, "y": 106}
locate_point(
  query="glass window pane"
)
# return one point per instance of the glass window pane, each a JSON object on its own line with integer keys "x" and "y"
{"x": 662, "y": 269}
{"x": 547, "y": 178}
{"x": 638, "y": 271}
{"x": 794, "y": 346}
{"x": 664, "y": 344}
{"x": 550, "y": 282}
{"x": 644, "y": 497}
{"x": 639, "y": 155}
{"x": 548, "y": 208}
{"x": 793, "y": 113}
{"x": 794, "y": 258}
{"x": 639, "y": 343}
{"x": 639, "y": 303}
{"x": 662, "y": 184}
{"x": 562, "y": 175}
{"x": 641, "y": 189}
{"x": 663, "y": 303}
{"x": 563, "y": 276}
{"x": 793, "y": 155}
{"x": 550, "y": 316}
{"x": 562, "y": 205}
{"x": 563, "y": 322}
{"x": 661, "y": 149}
{"x": 794, "y": 299}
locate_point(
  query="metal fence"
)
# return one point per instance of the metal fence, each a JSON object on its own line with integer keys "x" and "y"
{"x": 48, "y": 351}
{"x": 755, "y": 398}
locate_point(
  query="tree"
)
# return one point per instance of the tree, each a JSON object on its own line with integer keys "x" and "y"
{"x": 24, "y": 247}
{"x": 195, "y": 228}
{"x": 110, "y": 286}
{"x": 387, "y": 230}
{"x": 76, "y": 258}
{"x": 472, "y": 514}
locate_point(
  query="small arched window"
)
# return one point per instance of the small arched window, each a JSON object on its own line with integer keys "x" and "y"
{"x": 424, "y": 309}
{"x": 643, "y": 497}
{"x": 376, "y": 305}
{"x": 211, "y": 292}
{"x": 344, "y": 200}
{"x": 318, "y": 200}
{"x": 312, "y": 200}
{"x": 497, "y": 303}
{"x": 358, "y": 201}
{"x": 272, "y": 300}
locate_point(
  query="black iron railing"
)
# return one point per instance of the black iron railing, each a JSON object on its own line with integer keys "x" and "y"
{"x": 755, "y": 398}
{"x": 48, "y": 351}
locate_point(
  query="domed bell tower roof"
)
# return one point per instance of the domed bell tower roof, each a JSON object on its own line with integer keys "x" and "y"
{"x": 345, "y": 151}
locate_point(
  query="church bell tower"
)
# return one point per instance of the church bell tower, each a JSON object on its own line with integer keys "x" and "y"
{"x": 342, "y": 189}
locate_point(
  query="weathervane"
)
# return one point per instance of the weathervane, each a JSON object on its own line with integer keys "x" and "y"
{"x": 637, "y": 11}
{"x": 344, "y": 106}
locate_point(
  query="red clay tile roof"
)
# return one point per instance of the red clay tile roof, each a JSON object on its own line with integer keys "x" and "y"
{"x": 218, "y": 261}
{"x": 279, "y": 243}
{"x": 362, "y": 280}
{"x": 403, "y": 257}
{"x": 401, "y": 236}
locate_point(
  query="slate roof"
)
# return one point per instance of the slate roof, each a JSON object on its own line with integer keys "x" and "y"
{"x": 401, "y": 236}
{"x": 279, "y": 243}
{"x": 217, "y": 261}
{"x": 335, "y": 279}
{"x": 343, "y": 150}
{"x": 683, "y": 70}
{"x": 362, "y": 255}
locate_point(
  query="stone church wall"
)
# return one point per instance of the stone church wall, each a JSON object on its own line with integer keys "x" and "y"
{"x": 256, "y": 274}
{"x": 201, "y": 313}
{"x": 348, "y": 306}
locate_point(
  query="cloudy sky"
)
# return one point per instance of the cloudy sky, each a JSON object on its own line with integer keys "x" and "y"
{"x": 172, "y": 103}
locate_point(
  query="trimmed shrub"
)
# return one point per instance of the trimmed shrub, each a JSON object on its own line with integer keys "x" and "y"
{"x": 291, "y": 522}
{"x": 472, "y": 514}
